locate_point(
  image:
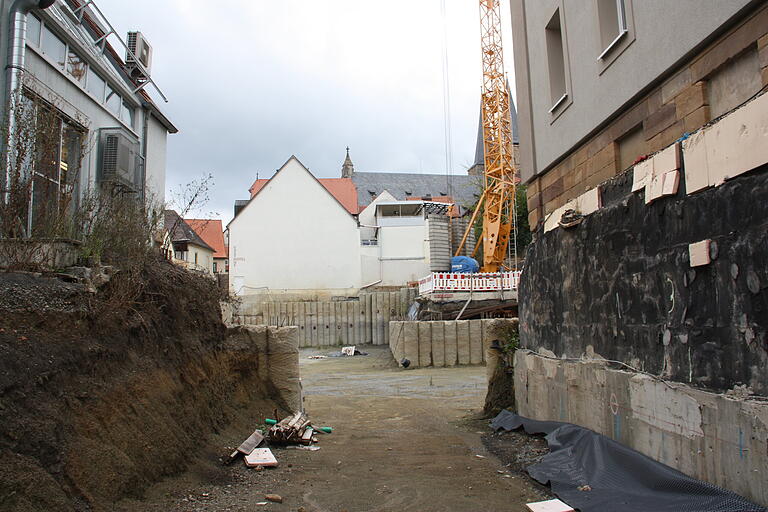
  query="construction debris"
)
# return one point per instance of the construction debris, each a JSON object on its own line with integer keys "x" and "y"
{"x": 260, "y": 457}
{"x": 294, "y": 429}
{"x": 549, "y": 506}
{"x": 248, "y": 445}
{"x": 274, "y": 497}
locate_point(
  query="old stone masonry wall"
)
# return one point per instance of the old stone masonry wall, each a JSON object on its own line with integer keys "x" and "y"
{"x": 685, "y": 343}
{"x": 621, "y": 285}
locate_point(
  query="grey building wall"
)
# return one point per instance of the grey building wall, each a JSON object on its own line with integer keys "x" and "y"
{"x": 656, "y": 42}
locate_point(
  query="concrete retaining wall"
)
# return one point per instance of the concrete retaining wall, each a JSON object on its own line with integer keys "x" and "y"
{"x": 708, "y": 436}
{"x": 332, "y": 323}
{"x": 278, "y": 360}
{"x": 446, "y": 342}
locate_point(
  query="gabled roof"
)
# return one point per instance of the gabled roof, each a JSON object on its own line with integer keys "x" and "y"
{"x": 212, "y": 233}
{"x": 180, "y": 231}
{"x": 343, "y": 189}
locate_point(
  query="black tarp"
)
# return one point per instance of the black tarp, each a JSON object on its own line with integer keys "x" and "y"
{"x": 620, "y": 479}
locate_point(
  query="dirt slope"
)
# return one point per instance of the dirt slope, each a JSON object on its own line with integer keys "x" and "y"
{"x": 101, "y": 396}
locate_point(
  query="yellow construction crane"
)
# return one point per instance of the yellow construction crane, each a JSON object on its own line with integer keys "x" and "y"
{"x": 497, "y": 199}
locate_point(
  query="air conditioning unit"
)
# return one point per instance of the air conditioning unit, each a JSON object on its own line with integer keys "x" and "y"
{"x": 140, "y": 48}
{"x": 119, "y": 156}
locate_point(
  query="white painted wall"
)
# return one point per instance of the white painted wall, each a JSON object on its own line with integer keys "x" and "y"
{"x": 156, "y": 141}
{"x": 294, "y": 236}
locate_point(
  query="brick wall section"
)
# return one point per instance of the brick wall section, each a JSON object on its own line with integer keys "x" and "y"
{"x": 677, "y": 106}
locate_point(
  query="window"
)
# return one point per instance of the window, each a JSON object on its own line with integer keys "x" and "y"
{"x": 57, "y": 146}
{"x": 126, "y": 114}
{"x": 95, "y": 85}
{"x": 33, "y": 30}
{"x": 76, "y": 66}
{"x": 556, "y": 61}
{"x": 612, "y": 17}
{"x": 53, "y": 47}
{"x": 214, "y": 266}
{"x": 113, "y": 101}
{"x": 195, "y": 257}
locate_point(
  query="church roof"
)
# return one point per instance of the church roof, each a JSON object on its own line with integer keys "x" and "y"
{"x": 464, "y": 189}
{"x": 479, "y": 157}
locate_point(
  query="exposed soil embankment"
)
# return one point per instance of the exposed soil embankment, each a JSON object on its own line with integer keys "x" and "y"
{"x": 102, "y": 394}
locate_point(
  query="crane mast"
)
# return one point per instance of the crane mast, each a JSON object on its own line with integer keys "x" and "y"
{"x": 499, "y": 180}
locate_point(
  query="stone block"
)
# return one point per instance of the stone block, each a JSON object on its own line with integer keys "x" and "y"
{"x": 533, "y": 218}
{"x": 694, "y": 96}
{"x": 606, "y": 157}
{"x": 675, "y": 84}
{"x": 550, "y": 177}
{"x": 552, "y": 191}
{"x": 696, "y": 119}
{"x": 762, "y": 42}
{"x": 659, "y": 121}
{"x": 666, "y": 137}
{"x": 699, "y": 253}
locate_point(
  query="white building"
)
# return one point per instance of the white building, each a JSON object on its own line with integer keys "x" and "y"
{"x": 67, "y": 59}
{"x": 302, "y": 235}
{"x": 294, "y": 235}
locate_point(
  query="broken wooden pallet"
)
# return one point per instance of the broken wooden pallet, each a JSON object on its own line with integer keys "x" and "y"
{"x": 294, "y": 429}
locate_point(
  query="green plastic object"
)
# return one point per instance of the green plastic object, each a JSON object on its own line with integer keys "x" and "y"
{"x": 270, "y": 421}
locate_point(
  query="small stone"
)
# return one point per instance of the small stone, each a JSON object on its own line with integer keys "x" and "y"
{"x": 301, "y": 509}
{"x": 584, "y": 488}
{"x": 276, "y": 498}
{"x": 259, "y": 468}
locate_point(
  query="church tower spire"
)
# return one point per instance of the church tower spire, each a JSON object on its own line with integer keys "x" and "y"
{"x": 348, "y": 168}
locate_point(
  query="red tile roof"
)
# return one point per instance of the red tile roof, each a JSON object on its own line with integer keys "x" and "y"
{"x": 341, "y": 188}
{"x": 211, "y": 231}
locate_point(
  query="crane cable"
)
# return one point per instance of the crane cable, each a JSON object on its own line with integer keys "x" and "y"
{"x": 448, "y": 138}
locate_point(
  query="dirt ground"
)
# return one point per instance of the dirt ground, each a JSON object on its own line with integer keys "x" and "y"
{"x": 403, "y": 440}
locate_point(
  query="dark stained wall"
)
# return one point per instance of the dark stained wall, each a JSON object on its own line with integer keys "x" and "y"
{"x": 621, "y": 282}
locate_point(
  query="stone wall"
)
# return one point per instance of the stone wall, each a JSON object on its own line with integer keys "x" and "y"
{"x": 446, "y": 343}
{"x": 723, "y": 75}
{"x": 717, "y": 438}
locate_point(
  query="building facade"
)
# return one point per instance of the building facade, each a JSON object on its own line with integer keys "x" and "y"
{"x": 299, "y": 234}
{"x": 643, "y": 127}
{"x": 68, "y": 71}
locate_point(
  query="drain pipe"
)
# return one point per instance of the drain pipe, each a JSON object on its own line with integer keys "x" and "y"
{"x": 17, "y": 37}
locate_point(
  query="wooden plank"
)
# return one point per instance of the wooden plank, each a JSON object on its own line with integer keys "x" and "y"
{"x": 260, "y": 457}
{"x": 251, "y": 443}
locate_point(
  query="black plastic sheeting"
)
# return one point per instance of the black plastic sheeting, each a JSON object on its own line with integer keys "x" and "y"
{"x": 620, "y": 478}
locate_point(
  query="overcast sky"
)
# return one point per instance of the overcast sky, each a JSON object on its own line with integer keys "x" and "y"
{"x": 251, "y": 82}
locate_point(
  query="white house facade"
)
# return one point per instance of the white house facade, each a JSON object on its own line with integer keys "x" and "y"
{"x": 301, "y": 235}
{"x": 294, "y": 236}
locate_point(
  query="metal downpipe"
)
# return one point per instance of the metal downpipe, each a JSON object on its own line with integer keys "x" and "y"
{"x": 17, "y": 37}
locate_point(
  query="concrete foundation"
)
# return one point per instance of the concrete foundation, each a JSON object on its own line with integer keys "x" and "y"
{"x": 713, "y": 437}
{"x": 446, "y": 343}
{"x": 323, "y": 323}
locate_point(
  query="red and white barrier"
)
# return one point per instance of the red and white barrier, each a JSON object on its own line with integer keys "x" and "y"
{"x": 478, "y": 282}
